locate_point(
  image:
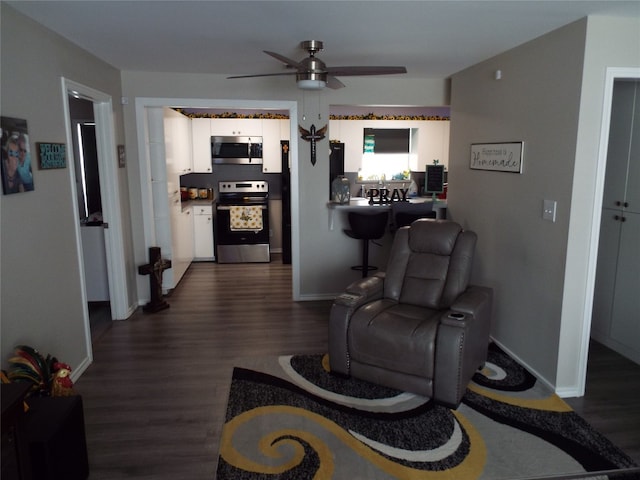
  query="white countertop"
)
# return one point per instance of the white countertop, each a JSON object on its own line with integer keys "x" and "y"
{"x": 364, "y": 202}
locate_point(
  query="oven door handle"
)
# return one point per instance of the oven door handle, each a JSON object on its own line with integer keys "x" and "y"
{"x": 229, "y": 207}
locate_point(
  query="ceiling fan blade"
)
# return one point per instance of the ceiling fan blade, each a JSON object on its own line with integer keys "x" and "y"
{"x": 355, "y": 71}
{"x": 334, "y": 83}
{"x": 287, "y": 61}
{"x": 263, "y": 75}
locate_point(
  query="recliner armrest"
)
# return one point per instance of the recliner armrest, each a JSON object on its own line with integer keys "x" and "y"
{"x": 362, "y": 291}
{"x": 357, "y": 294}
{"x": 473, "y": 300}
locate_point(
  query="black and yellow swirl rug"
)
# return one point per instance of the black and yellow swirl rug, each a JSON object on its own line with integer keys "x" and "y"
{"x": 289, "y": 418}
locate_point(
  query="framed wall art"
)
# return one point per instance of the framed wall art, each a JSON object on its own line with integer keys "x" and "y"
{"x": 17, "y": 175}
{"x": 499, "y": 157}
{"x": 122, "y": 159}
{"x": 52, "y": 155}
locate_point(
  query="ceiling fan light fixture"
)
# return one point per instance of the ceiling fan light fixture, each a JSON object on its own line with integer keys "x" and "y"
{"x": 314, "y": 78}
{"x": 310, "y": 84}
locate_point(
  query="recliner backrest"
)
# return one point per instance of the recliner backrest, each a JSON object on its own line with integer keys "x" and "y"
{"x": 430, "y": 263}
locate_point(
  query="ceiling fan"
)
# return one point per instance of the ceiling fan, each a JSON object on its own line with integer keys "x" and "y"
{"x": 312, "y": 73}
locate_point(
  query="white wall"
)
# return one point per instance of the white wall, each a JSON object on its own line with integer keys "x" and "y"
{"x": 610, "y": 42}
{"x": 325, "y": 255}
{"x": 41, "y": 275}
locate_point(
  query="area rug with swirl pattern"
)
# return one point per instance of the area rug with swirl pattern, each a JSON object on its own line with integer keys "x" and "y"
{"x": 289, "y": 418}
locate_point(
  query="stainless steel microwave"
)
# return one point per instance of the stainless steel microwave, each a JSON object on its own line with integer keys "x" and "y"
{"x": 236, "y": 150}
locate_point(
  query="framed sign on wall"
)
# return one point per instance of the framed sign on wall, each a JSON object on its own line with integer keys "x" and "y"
{"x": 499, "y": 157}
{"x": 52, "y": 155}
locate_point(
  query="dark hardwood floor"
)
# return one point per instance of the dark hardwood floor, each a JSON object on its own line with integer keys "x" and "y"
{"x": 155, "y": 396}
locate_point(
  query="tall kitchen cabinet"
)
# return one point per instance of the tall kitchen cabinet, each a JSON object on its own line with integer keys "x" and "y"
{"x": 616, "y": 305}
{"x": 201, "y": 145}
{"x": 169, "y": 153}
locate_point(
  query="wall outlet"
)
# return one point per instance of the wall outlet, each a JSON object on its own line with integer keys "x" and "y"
{"x": 549, "y": 210}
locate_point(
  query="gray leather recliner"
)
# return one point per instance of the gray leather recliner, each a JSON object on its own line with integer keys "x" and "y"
{"x": 418, "y": 327}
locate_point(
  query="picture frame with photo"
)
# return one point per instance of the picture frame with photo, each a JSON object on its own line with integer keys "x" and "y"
{"x": 17, "y": 174}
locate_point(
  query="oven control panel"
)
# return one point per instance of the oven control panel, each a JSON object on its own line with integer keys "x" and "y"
{"x": 249, "y": 186}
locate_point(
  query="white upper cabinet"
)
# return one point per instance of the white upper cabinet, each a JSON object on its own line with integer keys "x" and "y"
{"x": 432, "y": 144}
{"x": 429, "y": 140}
{"x": 352, "y": 134}
{"x": 285, "y": 129}
{"x": 201, "y": 145}
{"x": 233, "y": 127}
{"x": 271, "y": 153}
{"x": 177, "y": 129}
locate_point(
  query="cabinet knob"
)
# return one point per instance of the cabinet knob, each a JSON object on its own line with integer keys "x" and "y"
{"x": 626, "y": 204}
{"x": 618, "y": 203}
{"x": 616, "y": 217}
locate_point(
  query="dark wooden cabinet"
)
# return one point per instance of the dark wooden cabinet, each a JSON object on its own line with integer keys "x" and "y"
{"x": 15, "y": 450}
{"x": 56, "y": 436}
{"x": 47, "y": 442}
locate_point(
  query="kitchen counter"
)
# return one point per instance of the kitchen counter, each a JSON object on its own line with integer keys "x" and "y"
{"x": 360, "y": 203}
{"x": 198, "y": 202}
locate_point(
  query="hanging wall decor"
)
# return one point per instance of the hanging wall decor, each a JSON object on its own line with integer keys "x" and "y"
{"x": 499, "y": 157}
{"x": 122, "y": 159}
{"x": 312, "y": 136}
{"x": 52, "y": 155}
{"x": 17, "y": 175}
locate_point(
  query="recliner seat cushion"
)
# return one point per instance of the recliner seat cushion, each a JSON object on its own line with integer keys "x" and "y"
{"x": 436, "y": 237}
{"x": 394, "y": 336}
{"x": 424, "y": 279}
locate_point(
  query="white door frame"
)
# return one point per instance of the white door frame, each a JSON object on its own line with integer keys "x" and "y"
{"x": 142, "y": 103}
{"x": 110, "y": 191}
{"x": 612, "y": 74}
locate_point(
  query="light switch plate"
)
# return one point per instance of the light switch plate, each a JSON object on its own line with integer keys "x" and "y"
{"x": 549, "y": 210}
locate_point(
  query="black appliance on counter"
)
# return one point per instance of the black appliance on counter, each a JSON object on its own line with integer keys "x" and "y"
{"x": 242, "y": 222}
{"x": 336, "y": 162}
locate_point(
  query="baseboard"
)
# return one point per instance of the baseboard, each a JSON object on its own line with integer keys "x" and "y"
{"x": 530, "y": 369}
{"x": 630, "y": 353}
{"x": 80, "y": 369}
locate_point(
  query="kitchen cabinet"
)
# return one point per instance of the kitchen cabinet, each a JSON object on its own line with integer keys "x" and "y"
{"x": 271, "y": 156}
{"x": 236, "y": 126}
{"x": 352, "y": 131}
{"x": 201, "y": 145}
{"x": 285, "y": 129}
{"x": 616, "y": 303}
{"x": 168, "y": 138}
{"x": 178, "y": 142}
{"x": 429, "y": 140}
{"x": 183, "y": 241}
{"x": 203, "y": 233}
{"x": 432, "y": 144}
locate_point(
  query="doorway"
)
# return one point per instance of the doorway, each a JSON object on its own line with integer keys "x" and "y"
{"x": 107, "y": 164}
{"x": 89, "y": 201}
{"x": 143, "y": 105}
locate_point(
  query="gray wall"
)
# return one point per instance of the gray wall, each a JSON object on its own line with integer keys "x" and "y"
{"x": 40, "y": 278}
{"x": 550, "y": 97}
{"x": 519, "y": 254}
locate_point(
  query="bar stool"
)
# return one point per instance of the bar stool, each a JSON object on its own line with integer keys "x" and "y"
{"x": 365, "y": 227}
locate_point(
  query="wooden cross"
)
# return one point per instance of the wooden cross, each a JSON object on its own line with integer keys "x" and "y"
{"x": 311, "y": 136}
{"x": 154, "y": 269}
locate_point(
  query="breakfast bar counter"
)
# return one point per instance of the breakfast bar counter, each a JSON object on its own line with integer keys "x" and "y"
{"x": 362, "y": 203}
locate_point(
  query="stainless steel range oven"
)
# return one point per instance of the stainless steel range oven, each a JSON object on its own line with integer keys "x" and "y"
{"x": 242, "y": 222}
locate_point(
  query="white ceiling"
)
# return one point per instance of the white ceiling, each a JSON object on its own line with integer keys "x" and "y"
{"x": 430, "y": 38}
